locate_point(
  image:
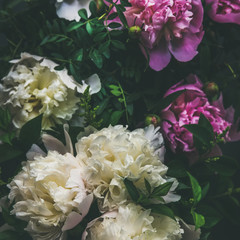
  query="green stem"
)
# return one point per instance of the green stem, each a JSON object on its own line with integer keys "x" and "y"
{"x": 229, "y": 192}
{"x": 232, "y": 71}
{"x": 124, "y": 102}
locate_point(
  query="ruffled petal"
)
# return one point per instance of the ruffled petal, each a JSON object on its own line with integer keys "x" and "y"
{"x": 185, "y": 49}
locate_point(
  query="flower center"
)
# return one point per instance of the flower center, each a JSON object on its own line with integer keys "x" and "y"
{"x": 168, "y": 18}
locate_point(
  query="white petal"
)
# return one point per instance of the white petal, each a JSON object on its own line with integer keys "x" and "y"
{"x": 72, "y": 221}
{"x": 34, "y": 151}
{"x": 94, "y": 83}
{"x": 69, "y": 146}
{"x": 68, "y": 9}
{"x": 75, "y": 218}
{"x": 53, "y": 144}
{"x": 189, "y": 231}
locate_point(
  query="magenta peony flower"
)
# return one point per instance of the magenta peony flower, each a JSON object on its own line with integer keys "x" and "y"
{"x": 224, "y": 11}
{"x": 186, "y": 109}
{"x": 169, "y": 27}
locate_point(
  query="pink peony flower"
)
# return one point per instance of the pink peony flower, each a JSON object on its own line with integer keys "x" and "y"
{"x": 186, "y": 109}
{"x": 169, "y": 27}
{"x": 224, "y": 11}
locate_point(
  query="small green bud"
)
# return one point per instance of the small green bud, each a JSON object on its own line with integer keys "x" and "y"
{"x": 211, "y": 89}
{"x": 100, "y": 5}
{"x": 152, "y": 119}
{"x": 134, "y": 32}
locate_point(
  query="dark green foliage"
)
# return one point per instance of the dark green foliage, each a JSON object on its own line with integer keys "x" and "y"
{"x": 210, "y": 188}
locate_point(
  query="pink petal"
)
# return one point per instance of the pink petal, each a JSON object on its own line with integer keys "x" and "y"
{"x": 221, "y": 18}
{"x": 185, "y": 49}
{"x": 194, "y": 84}
{"x": 159, "y": 56}
{"x": 197, "y": 10}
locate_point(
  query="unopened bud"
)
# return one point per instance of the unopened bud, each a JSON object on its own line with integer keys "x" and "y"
{"x": 100, "y": 5}
{"x": 152, "y": 119}
{"x": 211, "y": 89}
{"x": 134, "y": 32}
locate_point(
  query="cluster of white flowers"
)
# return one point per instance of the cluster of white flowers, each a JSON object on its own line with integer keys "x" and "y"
{"x": 33, "y": 87}
{"x": 54, "y": 191}
{"x": 132, "y": 222}
{"x": 114, "y": 153}
{"x": 47, "y": 191}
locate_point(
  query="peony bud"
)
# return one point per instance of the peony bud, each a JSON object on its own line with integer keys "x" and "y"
{"x": 100, "y": 5}
{"x": 152, "y": 119}
{"x": 211, "y": 89}
{"x": 134, "y": 32}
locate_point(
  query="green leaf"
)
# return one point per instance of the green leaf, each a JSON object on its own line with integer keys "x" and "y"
{"x": 132, "y": 190}
{"x": 107, "y": 53}
{"x": 118, "y": 44}
{"x": 74, "y": 25}
{"x": 30, "y": 132}
{"x": 79, "y": 55}
{"x": 165, "y": 102}
{"x": 116, "y": 33}
{"x": 162, "y": 190}
{"x": 7, "y": 137}
{"x": 116, "y": 92}
{"x": 100, "y": 36}
{"x": 8, "y": 152}
{"x": 203, "y": 121}
{"x": 164, "y": 210}
{"x": 112, "y": 16}
{"x": 113, "y": 86}
{"x": 205, "y": 190}
{"x": 83, "y": 13}
{"x": 211, "y": 215}
{"x": 148, "y": 186}
{"x": 96, "y": 58}
{"x": 115, "y": 117}
{"x": 201, "y": 135}
{"x": 104, "y": 46}
{"x": 130, "y": 109}
{"x": 102, "y": 106}
{"x": 89, "y": 28}
{"x": 229, "y": 208}
{"x": 177, "y": 169}
{"x": 93, "y": 7}
{"x": 198, "y": 219}
{"x": 49, "y": 39}
{"x": 196, "y": 188}
{"x": 121, "y": 15}
{"x": 72, "y": 70}
{"x": 5, "y": 118}
{"x": 114, "y": 25}
{"x": 225, "y": 166}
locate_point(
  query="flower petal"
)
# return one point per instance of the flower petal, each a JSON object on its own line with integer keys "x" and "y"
{"x": 159, "y": 56}
{"x": 68, "y": 9}
{"x": 185, "y": 49}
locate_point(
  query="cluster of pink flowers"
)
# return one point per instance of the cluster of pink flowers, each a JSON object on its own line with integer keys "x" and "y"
{"x": 187, "y": 108}
{"x": 224, "y": 11}
{"x": 169, "y": 27}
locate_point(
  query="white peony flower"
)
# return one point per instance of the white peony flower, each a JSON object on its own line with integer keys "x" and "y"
{"x": 33, "y": 87}
{"x": 68, "y": 9}
{"x": 49, "y": 194}
{"x": 132, "y": 222}
{"x": 114, "y": 153}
